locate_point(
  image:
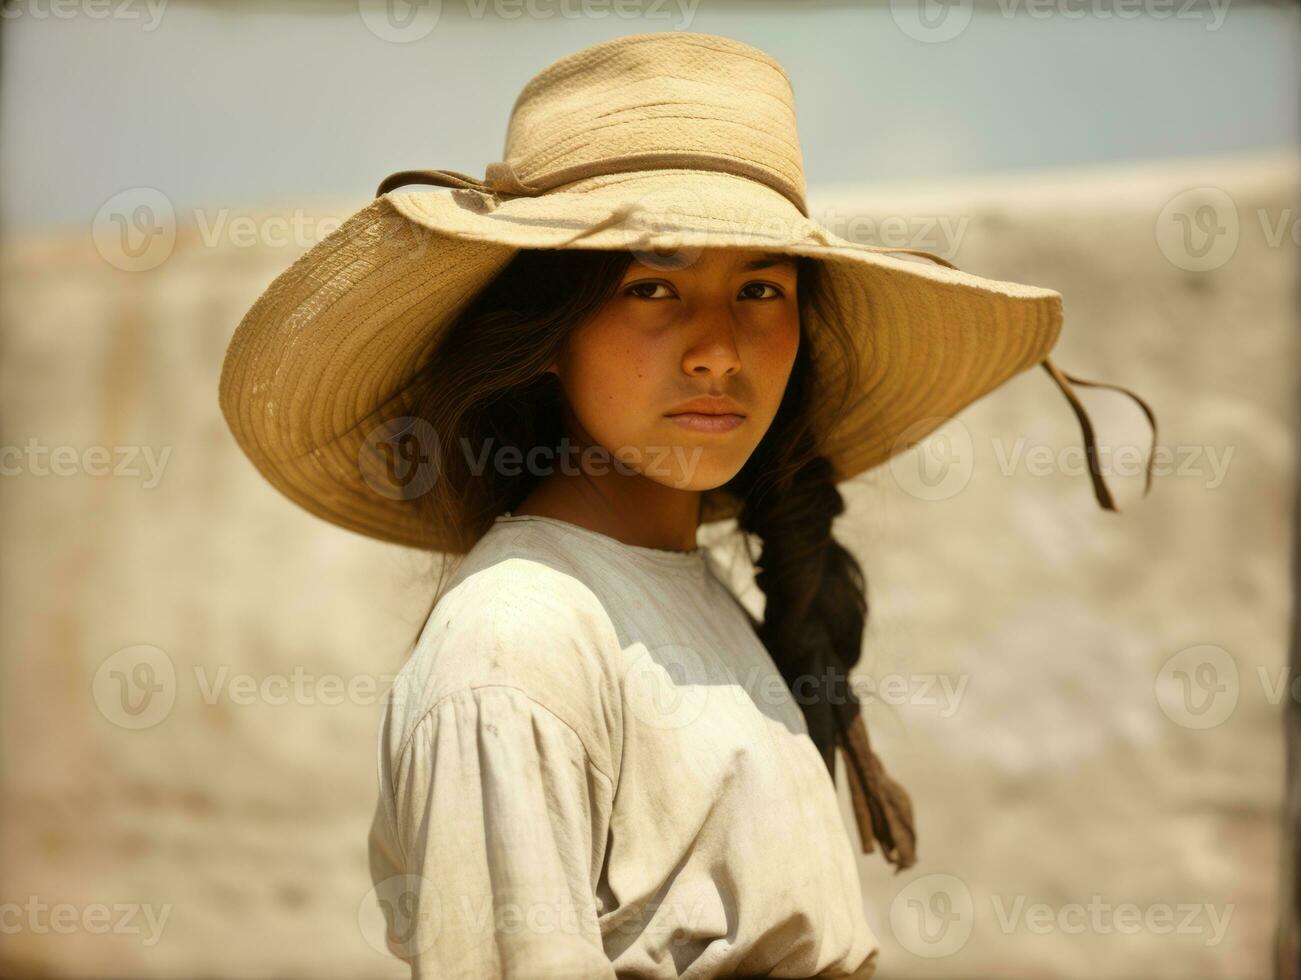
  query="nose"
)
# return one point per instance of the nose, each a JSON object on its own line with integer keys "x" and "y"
{"x": 712, "y": 347}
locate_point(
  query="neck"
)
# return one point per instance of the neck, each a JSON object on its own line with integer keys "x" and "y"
{"x": 628, "y": 507}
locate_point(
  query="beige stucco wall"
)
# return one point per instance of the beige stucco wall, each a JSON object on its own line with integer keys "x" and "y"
{"x": 1031, "y": 652}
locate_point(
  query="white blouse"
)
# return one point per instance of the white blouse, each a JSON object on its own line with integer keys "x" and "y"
{"x": 591, "y": 768}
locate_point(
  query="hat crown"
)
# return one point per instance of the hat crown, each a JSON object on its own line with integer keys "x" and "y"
{"x": 664, "y": 95}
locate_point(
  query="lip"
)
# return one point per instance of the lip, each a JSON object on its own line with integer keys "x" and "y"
{"x": 715, "y": 405}
{"x": 706, "y": 422}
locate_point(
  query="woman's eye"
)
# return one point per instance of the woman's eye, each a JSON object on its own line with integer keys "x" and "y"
{"x": 632, "y": 290}
{"x": 762, "y": 285}
{"x": 646, "y": 290}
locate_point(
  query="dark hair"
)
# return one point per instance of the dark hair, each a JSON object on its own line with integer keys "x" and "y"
{"x": 487, "y": 380}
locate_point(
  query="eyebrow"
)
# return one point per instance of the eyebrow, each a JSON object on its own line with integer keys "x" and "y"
{"x": 674, "y": 263}
{"x": 769, "y": 259}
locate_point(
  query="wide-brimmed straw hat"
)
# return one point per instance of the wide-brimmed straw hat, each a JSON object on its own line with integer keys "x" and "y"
{"x": 652, "y": 143}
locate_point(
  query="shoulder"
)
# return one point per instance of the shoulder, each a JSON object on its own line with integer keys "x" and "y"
{"x": 520, "y": 611}
{"x": 524, "y": 622}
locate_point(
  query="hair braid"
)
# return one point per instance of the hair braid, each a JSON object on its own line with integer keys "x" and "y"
{"x": 814, "y": 615}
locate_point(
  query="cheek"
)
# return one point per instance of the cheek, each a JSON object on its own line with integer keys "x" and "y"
{"x": 612, "y": 378}
{"x": 773, "y": 356}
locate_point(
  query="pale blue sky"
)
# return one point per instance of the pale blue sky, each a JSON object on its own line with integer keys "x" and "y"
{"x": 218, "y": 106}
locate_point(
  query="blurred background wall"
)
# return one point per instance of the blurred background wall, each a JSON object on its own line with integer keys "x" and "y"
{"x": 1086, "y": 706}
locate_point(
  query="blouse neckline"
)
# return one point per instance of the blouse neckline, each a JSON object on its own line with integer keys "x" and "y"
{"x": 694, "y": 559}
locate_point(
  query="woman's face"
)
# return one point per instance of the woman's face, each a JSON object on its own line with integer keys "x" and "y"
{"x": 718, "y": 324}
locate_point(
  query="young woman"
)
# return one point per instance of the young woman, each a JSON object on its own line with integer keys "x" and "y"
{"x": 596, "y": 762}
{"x": 592, "y": 738}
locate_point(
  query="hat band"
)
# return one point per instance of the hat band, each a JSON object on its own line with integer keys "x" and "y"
{"x": 1100, "y": 490}
{"x": 501, "y": 179}
{"x": 1105, "y": 500}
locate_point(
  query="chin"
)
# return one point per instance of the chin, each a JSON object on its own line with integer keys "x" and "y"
{"x": 698, "y": 469}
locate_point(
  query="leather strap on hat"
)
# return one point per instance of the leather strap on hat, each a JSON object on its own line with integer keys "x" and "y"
{"x": 500, "y": 177}
{"x": 883, "y": 810}
{"x": 1100, "y": 490}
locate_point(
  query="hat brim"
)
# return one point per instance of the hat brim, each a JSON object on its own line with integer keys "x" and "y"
{"x": 335, "y": 337}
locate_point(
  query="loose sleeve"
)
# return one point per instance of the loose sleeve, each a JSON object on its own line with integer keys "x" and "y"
{"x": 501, "y": 819}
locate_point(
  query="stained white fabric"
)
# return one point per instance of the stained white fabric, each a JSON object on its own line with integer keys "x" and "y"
{"x": 591, "y": 768}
